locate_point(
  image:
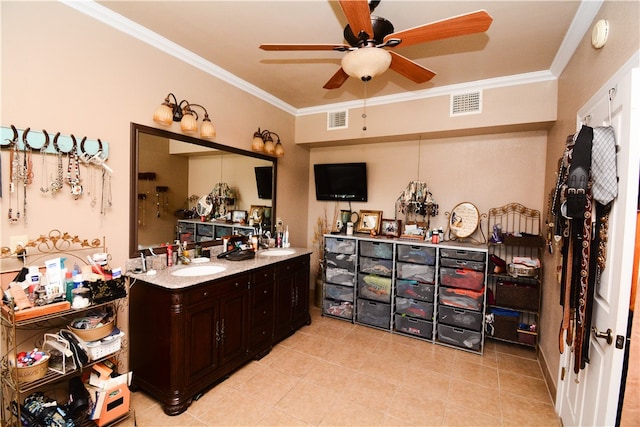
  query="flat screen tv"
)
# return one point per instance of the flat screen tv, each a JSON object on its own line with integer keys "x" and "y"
{"x": 264, "y": 180}
{"x": 341, "y": 181}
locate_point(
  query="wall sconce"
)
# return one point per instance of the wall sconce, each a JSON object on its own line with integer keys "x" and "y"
{"x": 263, "y": 143}
{"x": 182, "y": 112}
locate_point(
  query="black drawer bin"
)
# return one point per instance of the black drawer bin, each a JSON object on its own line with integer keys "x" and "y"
{"x": 376, "y": 249}
{"x": 459, "y": 337}
{"x": 462, "y": 254}
{"x": 381, "y": 267}
{"x": 409, "y": 325}
{"x": 415, "y": 289}
{"x": 346, "y": 261}
{"x": 417, "y": 254}
{"x": 374, "y": 313}
{"x": 462, "y": 263}
{"x": 414, "y": 308}
{"x": 460, "y": 317}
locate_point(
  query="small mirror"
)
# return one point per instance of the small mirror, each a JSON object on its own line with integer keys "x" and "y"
{"x": 188, "y": 189}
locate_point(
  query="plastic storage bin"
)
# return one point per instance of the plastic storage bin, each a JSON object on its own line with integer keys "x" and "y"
{"x": 462, "y": 263}
{"x": 342, "y": 309}
{"x": 462, "y": 254}
{"x": 381, "y": 267}
{"x": 422, "y": 273}
{"x": 459, "y": 337}
{"x": 460, "y": 317}
{"x": 346, "y": 261}
{"x": 414, "y": 308}
{"x": 417, "y": 254}
{"x": 339, "y": 245}
{"x": 338, "y": 292}
{"x": 374, "y": 313}
{"x": 376, "y": 249}
{"x": 461, "y": 298}
{"x": 413, "y": 326}
{"x": 374, "y": 287}
{"x": 415, "y": 289}
{"x": 340, "y": 276}
{"x": 462, "y": 278}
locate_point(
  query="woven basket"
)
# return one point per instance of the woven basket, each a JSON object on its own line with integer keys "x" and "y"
{"x": 93, "y": 334}
{"x": 34, "y": 372}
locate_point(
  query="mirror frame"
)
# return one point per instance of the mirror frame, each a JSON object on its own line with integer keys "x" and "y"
{"x": 135, "y": 130}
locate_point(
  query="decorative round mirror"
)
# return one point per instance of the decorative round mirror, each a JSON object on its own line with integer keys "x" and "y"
{"x": 464, "y": 220}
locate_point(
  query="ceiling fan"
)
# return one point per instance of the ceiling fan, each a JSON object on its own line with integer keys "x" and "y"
{"x": 367, "y": 54}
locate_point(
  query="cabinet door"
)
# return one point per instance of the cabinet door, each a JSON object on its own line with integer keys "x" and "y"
{"x": 234, "y": 325}
{"x": 285, "y": 295}
{"x": 300, "y": 309}
{"x": 202, "y": 324}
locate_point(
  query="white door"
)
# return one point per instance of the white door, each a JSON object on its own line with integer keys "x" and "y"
{"x": 590, "y": 398}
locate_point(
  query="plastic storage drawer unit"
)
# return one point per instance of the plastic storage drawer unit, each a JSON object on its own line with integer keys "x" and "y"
{"x": 460, "y": 317}
{"x": 337, "y": 292}
{"x": 374, "y": 287}
{"x": 417, "y": 254}
{"x": 413, "y": 326}
{"x": 376, "y": 249}
{"x": 462, "y": 278}
{"x": 462, "y": 254}
{"x": 342, "y": 309}
{"x": 414, "y": 289}
{"x": 346, "y": 261}
{"x": 459, "y": 337}
{"x": 374, "y": 313}
{"x": 422, "y": 273}
{"x": 381, "y": 267}
{"x": 461, "y": 298}
{"x": 414, "y": 308}
{"x": 338, "y": 245}
{"x": 340, "y": 276}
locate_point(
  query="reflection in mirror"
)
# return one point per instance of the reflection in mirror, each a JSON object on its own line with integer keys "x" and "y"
{"x": 187, "y": 189}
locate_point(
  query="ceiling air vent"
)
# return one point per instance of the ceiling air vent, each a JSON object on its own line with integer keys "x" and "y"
{"x": 466, "y": 103}
{"x": 337, "y": 120}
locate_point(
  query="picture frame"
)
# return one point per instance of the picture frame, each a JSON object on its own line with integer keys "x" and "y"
{"x": 256, "y": 213}
{"x": 414, "y": 230}
{"x": 239, "y": 217}
{"x": 391, "y": 227}
{"x": 369, "y": 222}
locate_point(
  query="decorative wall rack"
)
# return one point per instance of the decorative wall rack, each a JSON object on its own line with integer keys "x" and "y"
{"x": 52, "y": 143}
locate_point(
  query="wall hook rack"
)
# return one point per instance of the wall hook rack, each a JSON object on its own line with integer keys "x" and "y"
{"x": 52, "y": 143}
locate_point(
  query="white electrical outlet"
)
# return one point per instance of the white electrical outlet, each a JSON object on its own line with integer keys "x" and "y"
{"x": 14, "y": 241}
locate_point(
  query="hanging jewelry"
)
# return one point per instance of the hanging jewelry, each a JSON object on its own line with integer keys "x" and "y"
{"x": 106, "y": 192}
{"x": 44, "y": 187}
{"x": 56, "y": 184}
{"x": 73, "y": 175}
{"x": 14, "y": 159}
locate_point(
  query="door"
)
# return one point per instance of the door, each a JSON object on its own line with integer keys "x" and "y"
{"x": 591, "y": 397}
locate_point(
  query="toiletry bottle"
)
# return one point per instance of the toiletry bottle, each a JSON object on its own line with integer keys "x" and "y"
{"x": 286, "y": 238}
{"x": 169, "y": 255}
{"x": 68, "y": 282}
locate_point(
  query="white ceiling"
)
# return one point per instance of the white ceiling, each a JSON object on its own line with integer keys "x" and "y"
{"x": 222, "y": 37}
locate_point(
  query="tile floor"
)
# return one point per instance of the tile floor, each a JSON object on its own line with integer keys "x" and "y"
{"x": 334, "y": 373}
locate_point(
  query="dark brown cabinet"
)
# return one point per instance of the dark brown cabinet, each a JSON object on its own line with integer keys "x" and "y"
{"x": 183, "y": 341}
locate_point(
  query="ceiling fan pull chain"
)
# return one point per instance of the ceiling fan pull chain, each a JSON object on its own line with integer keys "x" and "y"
{"x": 364, "y": 111}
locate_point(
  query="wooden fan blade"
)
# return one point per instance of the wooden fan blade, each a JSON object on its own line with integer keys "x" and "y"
{"x": 474, "y": 22}
{"x": 410, "y": 69}
{"x": 285, "y": 46}
{"x": 336, "y": 80}
{"x": 357, "y": 13}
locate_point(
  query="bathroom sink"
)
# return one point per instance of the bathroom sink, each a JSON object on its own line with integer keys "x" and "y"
{"x": 200, "y": 270}
{"x": 277, "y": 252}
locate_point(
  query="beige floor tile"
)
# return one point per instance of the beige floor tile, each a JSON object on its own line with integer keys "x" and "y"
{"x": 418, "y": 380}
{"x": 366, "y": 389}
{"x": 348, "y": 413}
{"x": 529, "y": 387}
{"x": 478, "y": 374}
{"x": 347, "y": 355}
{"x": 417, "y": 409}
{"x": 268, "y": 386}
{"x": 458, "y": 416}
{"x": 383, "y": 368}
{"x": 331, "y": 374}
{"x": 515, "y": 350}
{"x": 296, "y": 364}
{"x": 314, "y": 345}
{"x": 473, "y": 396}
{"x": 213, "y": 398}
{"x": 307, "y": 401}
{"x": 399, "y": 351}
{"x": 237, "y": 409}
{"x": 519, "y": 365}
{"x": 521, "y": 411}
{"x": 274, "y": 417}
{"x": 438, "y": 361}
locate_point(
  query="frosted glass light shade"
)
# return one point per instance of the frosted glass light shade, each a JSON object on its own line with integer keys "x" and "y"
{"x": 279, "y": 150}
{"x": 269, "y": 146}
{"x": 207, "y": 130}
{"x": 366, "y": 63}
{"x": 163, "y": 115}
{"x": 188, "y": 123}
{"x": 257, "y": 144}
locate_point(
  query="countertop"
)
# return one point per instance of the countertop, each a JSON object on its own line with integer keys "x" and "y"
{"x": 164, "y": 278}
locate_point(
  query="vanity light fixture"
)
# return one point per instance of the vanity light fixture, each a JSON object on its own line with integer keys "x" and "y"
{"x": 263, "y": 143}
{"x": 183, "y": 112}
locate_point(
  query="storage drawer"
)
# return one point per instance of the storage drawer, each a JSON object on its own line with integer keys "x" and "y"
{"x": 459, "y": 337}
{"x": 262, "y": 315}
{"x": 461, "y": 278}
{"x": 517, "y": 295}
{"x": 339, "y": 245}
{"x": 461, "y": 298}
{"x": 374, "y": 313}
{"x": 340, "y": 276}
{"x": 346, "y": 261}
{"x": 462, "y": 254}
{"x": 417, "y": 254}
{"x": 381, "y": 267}
{"x": 422, "y": 273}
{"x": 263, "y": 275}
{"x": 505, "y": 324}
{"x": 342, "y": 309}
{"x": 410, "y": 325}
{"x": 414, "y": 308}
{"x": 374, "y": 287}
{"x": 376, "y": 249}
{"x": 460, "y": 317}
{"x": 337, "y": 292}
{"x": 462, "y": 263}
{"x": 415, "y": 289}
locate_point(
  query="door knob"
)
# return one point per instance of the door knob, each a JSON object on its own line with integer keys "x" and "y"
{"x": 606, "y": 335}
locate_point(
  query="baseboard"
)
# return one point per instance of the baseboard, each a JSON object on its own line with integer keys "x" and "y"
{"x": 548, "y": 377}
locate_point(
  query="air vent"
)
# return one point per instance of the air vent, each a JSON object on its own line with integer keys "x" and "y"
{"x": 337, "y": 120}
{"x": 466, "y": 103}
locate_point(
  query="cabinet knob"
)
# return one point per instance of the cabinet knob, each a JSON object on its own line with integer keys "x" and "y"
{"x": 206, "y": 294}
{"x": 265, "y": 292}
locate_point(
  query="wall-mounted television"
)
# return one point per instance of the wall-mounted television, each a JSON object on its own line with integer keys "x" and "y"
{"x": 341, "y": 181}
{"x": 264, "y": 180}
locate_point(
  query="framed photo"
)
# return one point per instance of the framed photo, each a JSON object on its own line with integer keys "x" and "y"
{"x": 414, "y": 230}
{"x": 391, "y": 227}
{"x": 256, "y": 213}
{"x": 369, "y": 221}
{"x": 239, "y": 217}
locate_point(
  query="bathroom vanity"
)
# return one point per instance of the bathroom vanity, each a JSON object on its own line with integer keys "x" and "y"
{"x": 188, "y": 331}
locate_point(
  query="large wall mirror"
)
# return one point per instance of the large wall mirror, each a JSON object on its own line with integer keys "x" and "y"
{"x": 189, "y": 189}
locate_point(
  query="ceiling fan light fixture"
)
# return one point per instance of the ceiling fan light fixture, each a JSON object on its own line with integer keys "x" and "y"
{"x": 366, "y": 63}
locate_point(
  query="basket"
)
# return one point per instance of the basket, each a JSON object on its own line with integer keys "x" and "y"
{"x": 34, "y": 372}
{"x": 519, "y": 270}
{"x": 103, "y": 348}
{"x": 93, "y": 334}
